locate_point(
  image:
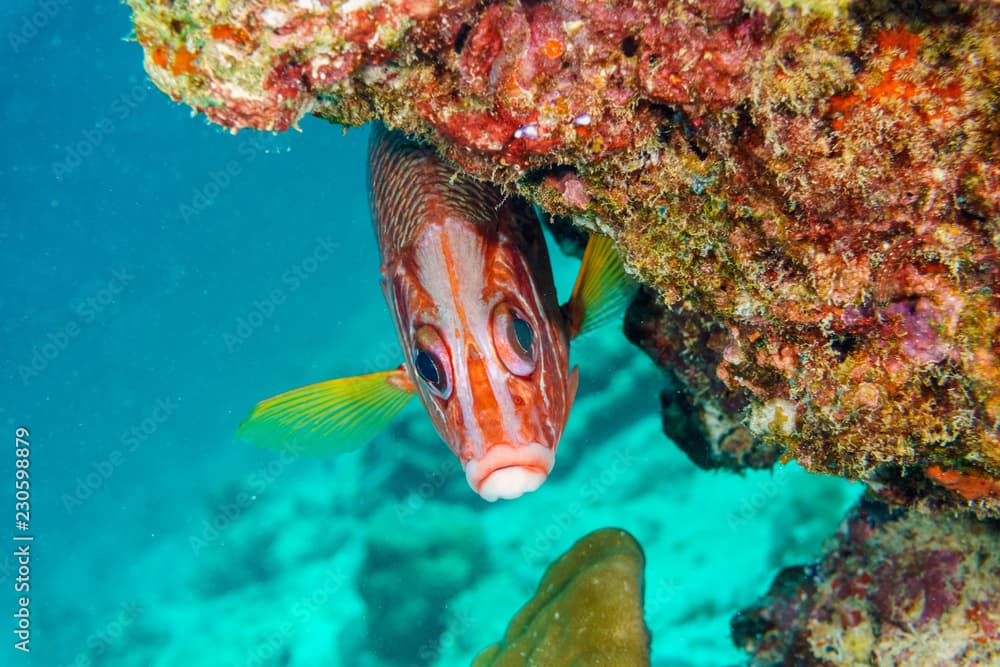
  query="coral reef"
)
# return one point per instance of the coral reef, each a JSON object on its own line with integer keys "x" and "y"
{"x": 811, "y": 188}
{"x": 896, "y": 587}
{"x": 587, "y": 611}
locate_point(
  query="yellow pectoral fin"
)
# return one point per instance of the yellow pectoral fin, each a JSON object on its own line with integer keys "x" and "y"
{"x": 329, "y": 417}
{"x": 602, "y": 289}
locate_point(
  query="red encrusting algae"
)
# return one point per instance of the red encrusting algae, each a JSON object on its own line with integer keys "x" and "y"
{"x": 971, "y": 486}
{"x": 897, "y": 48}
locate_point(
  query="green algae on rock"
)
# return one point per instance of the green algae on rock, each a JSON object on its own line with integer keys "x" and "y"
{"x": 587, "y": 611}
{"x": 895, "y": 587}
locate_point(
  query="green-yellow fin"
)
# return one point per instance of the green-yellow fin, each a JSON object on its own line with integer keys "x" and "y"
{"x": 329, "y": 417}
{"x": 602, "y": 289}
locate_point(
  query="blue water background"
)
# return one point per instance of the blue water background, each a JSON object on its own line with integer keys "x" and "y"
{"x": 128, "y": 296}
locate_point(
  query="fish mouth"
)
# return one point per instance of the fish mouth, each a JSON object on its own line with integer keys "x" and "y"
{"x": 509, "y": 472}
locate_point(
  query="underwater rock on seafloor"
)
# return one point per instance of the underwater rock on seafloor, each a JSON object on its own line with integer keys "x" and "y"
{"x": 414, "y": 564}
{"x": 587, "y": 610}
{"x": 895, "y": 587}
{"x": 812, "y": 190}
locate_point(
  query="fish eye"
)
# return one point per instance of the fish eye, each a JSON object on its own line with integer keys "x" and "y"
{"x": 514, "y": 339}
{"x": 524, "y": 335}
{"x": 428, "y": 367}
{"x": 429, "y": 357}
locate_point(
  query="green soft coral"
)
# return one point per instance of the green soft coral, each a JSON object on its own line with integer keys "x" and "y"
{"x": 587, "y": 611}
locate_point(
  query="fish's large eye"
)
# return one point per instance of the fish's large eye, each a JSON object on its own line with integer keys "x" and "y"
{"x": 431, "y": 361}
{"x": 514, "y": 339}
{"x": 428, "y": 366}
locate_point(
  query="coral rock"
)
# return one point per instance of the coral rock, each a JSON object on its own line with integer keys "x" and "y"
{"x": 895, "y": 588}
{"x": 709, "y": 430}
{"x": 587, "y": 610}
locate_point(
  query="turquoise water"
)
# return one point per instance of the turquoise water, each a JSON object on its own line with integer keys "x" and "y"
{"x": 160, "y": 276}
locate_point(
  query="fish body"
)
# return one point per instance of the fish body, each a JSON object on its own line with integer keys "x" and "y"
{"x": 467, "y": 279}
{"x": 465, "y": 272}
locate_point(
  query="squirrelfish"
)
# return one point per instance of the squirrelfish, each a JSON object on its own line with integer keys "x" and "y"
{"x": 466, "y": 276}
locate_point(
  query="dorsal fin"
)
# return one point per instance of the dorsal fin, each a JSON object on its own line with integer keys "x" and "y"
{"x": 602, "y": 289}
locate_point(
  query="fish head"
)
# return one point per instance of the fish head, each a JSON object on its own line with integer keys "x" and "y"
{"x": 487, "y": 349}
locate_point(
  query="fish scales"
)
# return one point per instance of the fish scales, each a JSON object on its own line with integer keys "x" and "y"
{"x": 410, "y": 184}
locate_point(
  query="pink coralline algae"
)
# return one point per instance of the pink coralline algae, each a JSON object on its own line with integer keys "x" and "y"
{"x": 895, "y": 588}
{"x": 810, "y": 189}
